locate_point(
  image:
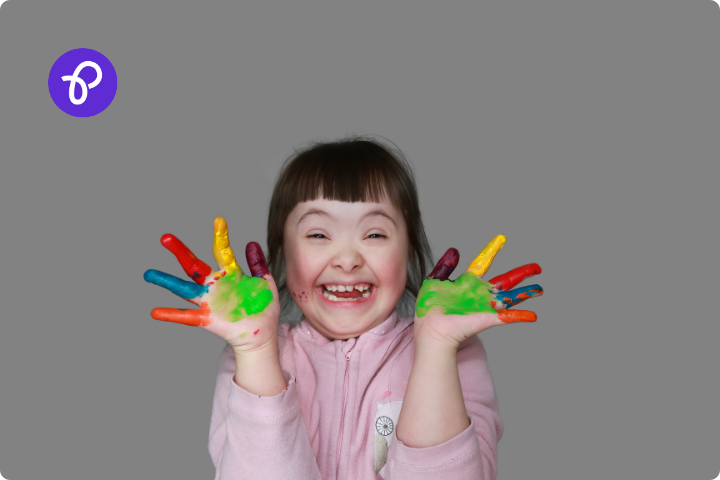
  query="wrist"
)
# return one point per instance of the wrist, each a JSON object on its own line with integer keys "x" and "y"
{"x": 266, "y": 351}
{"x": 259, "y": 372}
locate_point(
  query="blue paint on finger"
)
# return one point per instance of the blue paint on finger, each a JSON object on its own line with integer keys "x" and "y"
{"x": 181, "y": 288}
{"x": 518, "y": 295}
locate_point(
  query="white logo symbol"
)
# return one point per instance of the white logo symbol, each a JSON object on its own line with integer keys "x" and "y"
{"x": 74, "y": 78}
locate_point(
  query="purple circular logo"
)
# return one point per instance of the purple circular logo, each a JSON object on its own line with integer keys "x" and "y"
{"x": 82, "y": 82}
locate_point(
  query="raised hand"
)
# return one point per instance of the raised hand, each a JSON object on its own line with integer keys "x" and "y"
{"x": 244, "y": 310}
{"x": 447, "y": 312}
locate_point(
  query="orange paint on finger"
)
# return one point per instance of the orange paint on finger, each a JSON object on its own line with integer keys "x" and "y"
{"x": 193, "y": 318}
{"x": 513, "y": 316}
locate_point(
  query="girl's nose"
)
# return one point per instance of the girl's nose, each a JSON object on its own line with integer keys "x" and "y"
{"x": 348, "y": 259}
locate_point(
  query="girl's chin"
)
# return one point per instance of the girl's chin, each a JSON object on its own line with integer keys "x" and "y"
{"x": 360, "y": 303}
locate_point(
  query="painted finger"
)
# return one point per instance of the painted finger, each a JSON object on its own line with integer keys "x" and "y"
{"x": 195, "y": 318}
{"x": 508, "y": 280}
{"x": 256, "y": 260}
{"x": 513, "y": 297}
{"x": 483, "y": 261}
{"x": 222, "y": 251}
{"x": 193, "y": 266}
{"x": 513, "y": 316}
{"x": 446, "y": 265}
{"x": 182, "y": 288}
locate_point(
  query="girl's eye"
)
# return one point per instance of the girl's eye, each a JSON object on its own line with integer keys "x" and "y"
{"x": 316, "y": 235}
{"x": 377, "y": 235}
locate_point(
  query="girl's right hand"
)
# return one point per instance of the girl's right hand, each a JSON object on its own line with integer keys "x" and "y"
{"x": 243, "y": 310}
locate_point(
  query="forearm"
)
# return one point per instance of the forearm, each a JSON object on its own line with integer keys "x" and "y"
{"x": 433, "y": 410}
{"x": 259, "y": 372}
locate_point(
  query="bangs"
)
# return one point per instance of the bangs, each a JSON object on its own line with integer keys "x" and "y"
{"x": 346, "y": 173}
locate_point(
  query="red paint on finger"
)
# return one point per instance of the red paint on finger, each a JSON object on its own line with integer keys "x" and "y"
{"x": 193, "y": 266}
{"x": 256, "y": 331}
{"x": 508, "y": 280}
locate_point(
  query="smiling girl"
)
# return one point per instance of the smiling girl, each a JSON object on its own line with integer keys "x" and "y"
{"x": 354, "y": 389}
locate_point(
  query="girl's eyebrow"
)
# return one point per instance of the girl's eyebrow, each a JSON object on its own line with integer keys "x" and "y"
{"x": 314, "y": 211}
{"x": 317, "y": 211}
{"x": 378, "y": 212}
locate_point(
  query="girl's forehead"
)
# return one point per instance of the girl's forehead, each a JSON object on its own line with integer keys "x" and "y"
{"x": 335, "y": 209}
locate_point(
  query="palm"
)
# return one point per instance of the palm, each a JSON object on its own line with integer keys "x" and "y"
{"x": 226, "y": 296}
{"x": 450, "y": 311}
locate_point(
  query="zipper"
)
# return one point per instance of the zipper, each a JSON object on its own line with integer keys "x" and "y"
{"x": 342, "y": 419}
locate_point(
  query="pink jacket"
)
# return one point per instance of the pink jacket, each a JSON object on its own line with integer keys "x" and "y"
{"x": 337, "y": 418}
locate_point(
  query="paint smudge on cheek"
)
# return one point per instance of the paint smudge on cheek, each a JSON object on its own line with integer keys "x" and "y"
{"x": 466, "y": 295}
{"x": 301, "y": 297}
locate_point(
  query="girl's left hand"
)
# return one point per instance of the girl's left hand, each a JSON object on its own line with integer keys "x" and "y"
{"x": 447, "y": 312}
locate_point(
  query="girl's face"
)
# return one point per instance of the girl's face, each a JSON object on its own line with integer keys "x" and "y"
{"x": 331, "y": 245}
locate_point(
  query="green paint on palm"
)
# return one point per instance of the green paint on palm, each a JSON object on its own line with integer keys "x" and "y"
{"x": 238, "y": 296}
{"x": 468, "y": 294}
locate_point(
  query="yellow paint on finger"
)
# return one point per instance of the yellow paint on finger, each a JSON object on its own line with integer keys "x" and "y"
{"x": 483, "y": 261}
{"x": 223, "y": 253}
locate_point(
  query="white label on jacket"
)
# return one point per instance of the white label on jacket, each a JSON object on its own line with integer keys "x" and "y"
{"x": 385, "y": 421}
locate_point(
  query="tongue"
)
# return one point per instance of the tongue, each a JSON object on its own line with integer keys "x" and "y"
{"x": 354, "y": 294}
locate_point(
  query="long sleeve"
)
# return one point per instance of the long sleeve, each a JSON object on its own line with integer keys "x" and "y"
{"x": 472, "y": 454}
{"x": 255, "y": 437}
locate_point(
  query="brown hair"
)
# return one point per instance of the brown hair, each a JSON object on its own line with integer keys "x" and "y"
{"x": 351, "y": 169}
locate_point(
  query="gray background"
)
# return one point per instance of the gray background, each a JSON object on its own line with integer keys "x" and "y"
{"x": 585, "y": 132}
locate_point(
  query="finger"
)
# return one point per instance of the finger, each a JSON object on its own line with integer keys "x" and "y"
{"x": 513, "y": 316}
{"x": 513, "y": 297}
{"x": 508, "y": 280}
{"x": 195, "y": 318}
{"x": 256, "y": 260}
{"x": 193, "y": 266}
{"x": 483, "y": 261}
{"x": 182, "y": 288}
{"x": 223, "y": 253}
{"x": 446, "y": 265}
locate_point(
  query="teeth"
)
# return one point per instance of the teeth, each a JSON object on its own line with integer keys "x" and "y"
{"x": 327, "y": 292}
{"x": 346, "y": 288}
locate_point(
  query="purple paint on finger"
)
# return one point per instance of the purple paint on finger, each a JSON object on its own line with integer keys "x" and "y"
{"x": 446, "y": 265}
{"x": 256, "y": 260}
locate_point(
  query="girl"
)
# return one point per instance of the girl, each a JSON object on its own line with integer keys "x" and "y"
{"x": 354, "y": 389}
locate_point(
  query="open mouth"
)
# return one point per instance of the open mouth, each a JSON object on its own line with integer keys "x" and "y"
{"x": 348, "y": 293}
